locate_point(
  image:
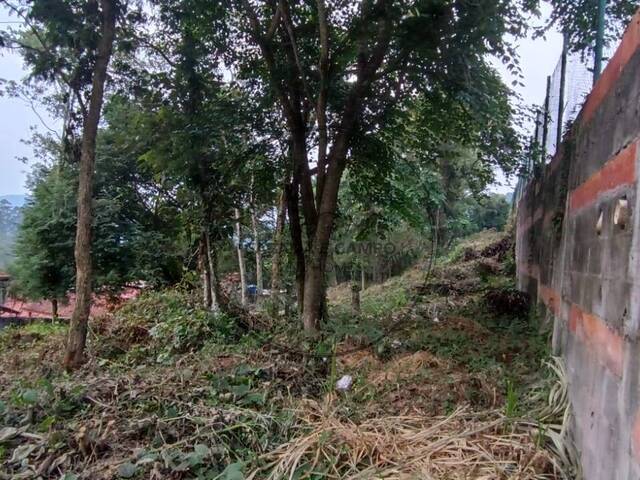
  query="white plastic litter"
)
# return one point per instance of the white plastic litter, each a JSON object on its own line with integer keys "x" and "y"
{"x": 344, "y": 384}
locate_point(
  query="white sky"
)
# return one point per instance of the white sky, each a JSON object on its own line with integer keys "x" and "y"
{"x": 538, "y": 59}
{"x": 15, "y": 120}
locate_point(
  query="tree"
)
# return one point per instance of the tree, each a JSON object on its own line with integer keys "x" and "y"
{"x": 42, "y": 269}
{"x": 433, "y": 163}
{"x": 579, "y": 18}
{"x": 134, "y": 239}
{"x": 490, "y": 212}
{"x": 70, "y": 43}
{"x": 340, "y": 71}
{"x": 10, "y": 218}
{"x": 74, "y": 355}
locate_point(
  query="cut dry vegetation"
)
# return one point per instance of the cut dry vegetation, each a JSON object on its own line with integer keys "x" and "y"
{"x": 445, "y": 386}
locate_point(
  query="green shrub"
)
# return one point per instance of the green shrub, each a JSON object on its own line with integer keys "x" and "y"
{"x": 171, "y": 322}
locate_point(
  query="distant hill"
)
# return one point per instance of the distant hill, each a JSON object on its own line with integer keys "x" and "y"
{"x": 14, "y": 200}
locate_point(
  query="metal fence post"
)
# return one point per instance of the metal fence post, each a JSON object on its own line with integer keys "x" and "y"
{"x": 563, "y": 80}
{"x": 597, "y": 61}
{"x": 545, "y": 120}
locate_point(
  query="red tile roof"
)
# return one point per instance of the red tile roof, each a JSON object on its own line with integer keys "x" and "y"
{"x": 101, "y": 304}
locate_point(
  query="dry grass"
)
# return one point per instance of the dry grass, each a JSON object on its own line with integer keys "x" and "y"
{"x": 479, "y": 445}
{"x": 462, "y": 445}
{"x": 405, "y": 367}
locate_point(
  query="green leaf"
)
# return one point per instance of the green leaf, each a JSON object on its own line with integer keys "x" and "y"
{"x": 198, "y": 456}
{"x": 243, "y": 370}
{"x": 253, "y": 399}
{"x": 234, "y": 471}
{"x": 201, "y": 450}
{"x": 127, "y": 470}
{"x": 29, "y": 396}
{"x": 240, "y": 391}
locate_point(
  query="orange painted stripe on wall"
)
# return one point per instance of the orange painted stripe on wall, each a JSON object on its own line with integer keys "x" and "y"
{"x": 603, "y": 343}
{"x": 619, "y": 171}
{"x": 628, "y": 46}
{"x": 550, "y": 298}
{"x": 607, "y": 345}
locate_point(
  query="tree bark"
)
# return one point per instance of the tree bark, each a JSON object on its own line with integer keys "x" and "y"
{"x": 355, "y": 298}
{"x": 203, "y": 260}
{"x": 314, "y": 288}
{"x": 321, "y": 106}
{"x": 256, "y": 247}
{"x": 332, "y": 274}
{"x": 214, "y": 280}
{"x": 77, "y": 337}
{"x": 295, "y": 230}
{"x": 276, "y": 280}
{"x": 241, "y": 265}
{"x": 54, "y": 309}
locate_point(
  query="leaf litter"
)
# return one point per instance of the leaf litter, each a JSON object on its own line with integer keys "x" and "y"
{"x": 428, "y": 402}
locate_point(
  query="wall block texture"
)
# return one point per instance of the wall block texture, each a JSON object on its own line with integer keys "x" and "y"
{"x": 578, "y": 255}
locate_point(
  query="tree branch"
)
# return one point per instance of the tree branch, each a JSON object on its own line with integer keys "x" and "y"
{"x": 265, "y": 47}
{"x": 286, "y": 17}
{"x": 321, "y": 105}
{"x": 275, "y": 22}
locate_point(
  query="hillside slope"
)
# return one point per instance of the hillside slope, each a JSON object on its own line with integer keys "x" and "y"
{"x": 445, "y": 371}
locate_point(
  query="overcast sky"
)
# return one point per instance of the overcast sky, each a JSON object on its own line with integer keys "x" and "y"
{"x": 538, "y": 59}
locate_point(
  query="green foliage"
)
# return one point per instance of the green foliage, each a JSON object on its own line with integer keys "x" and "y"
{"x": 242, "y": 388}
{"x": 49, "y": 403}
{"x": 579, "y": 19}
{"x": 511, "y": 400}
{"x": 489, "y": 212}
{"x": 10, "y": 218}
{"x": 175, "y": 324}
{"x": 36, "y": 329}
{"x": 43, "y": 266}
{"x": 132, "y": 242}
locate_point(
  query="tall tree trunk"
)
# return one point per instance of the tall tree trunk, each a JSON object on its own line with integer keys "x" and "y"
{"x": 355, "y": 298}
{"x": 256, "y": 247}
{"x": 276, "y": 280}
{"x": 314, "y": 292}
{"x": 214, "y": 283}
{"x": 314, "y": 286}
{"x": 77, "y": 337}
{"x": 295, "y": 230}
{"x": 54, "y": 309}
{"x": 241, "y": 266}
{"x": 363, "y": 279}
{"x": 203, "y": 260}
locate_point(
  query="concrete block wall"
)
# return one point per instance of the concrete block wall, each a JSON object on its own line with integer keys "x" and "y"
{"x": 578, "y": 254}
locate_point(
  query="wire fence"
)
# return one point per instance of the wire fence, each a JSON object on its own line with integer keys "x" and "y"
{"x": 567, "y": 90}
